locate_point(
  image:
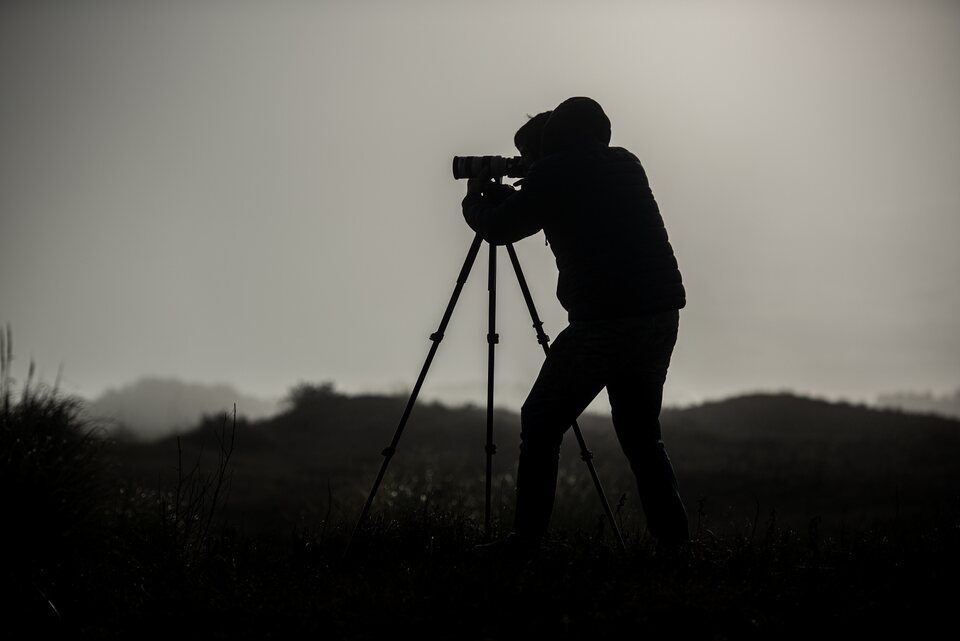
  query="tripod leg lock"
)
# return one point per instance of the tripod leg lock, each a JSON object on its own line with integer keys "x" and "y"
{"x": 493, "y": 339}
{"x": 389, "y": 452}
{"x": 491, "y": 449}
{"x": 436, "y": 337}
{"x": 542, "y": 337}
{"x": 586, "y": 455}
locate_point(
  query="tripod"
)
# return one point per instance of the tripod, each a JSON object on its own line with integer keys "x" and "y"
{"x": 492, "y": 340}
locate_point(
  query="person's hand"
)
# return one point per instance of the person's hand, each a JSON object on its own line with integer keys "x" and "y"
{"x": 498, "y": 192}
{"x": 482, "y": 185}
{"x": 478, "y": 184}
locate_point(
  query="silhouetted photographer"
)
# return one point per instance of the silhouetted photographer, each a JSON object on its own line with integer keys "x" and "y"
{"x": 621, "y": 287}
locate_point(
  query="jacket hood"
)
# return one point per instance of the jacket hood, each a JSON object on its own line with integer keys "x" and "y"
{"x": 576, "y": 122}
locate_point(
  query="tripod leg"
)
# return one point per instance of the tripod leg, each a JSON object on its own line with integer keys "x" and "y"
{"x": 436, "y": 337}
{"x": 544, "y": 340}
{"x": 492, "y": 340}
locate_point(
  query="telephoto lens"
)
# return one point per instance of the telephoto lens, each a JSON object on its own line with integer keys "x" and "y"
{"x": 496, "y": 167}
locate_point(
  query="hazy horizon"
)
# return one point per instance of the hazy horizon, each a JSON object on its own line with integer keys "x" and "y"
{"x": 260, "y": 194}
{"x": 152, "y": 408}
{"x": 183, "y": 396}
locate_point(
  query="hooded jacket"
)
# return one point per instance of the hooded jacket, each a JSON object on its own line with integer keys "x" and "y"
{"x": 600, "y": 218}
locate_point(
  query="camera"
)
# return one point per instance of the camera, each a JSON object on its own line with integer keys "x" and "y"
{"x": 496, "y": 166}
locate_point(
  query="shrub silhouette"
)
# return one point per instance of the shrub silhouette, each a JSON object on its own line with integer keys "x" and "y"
{"x": 51, "y": 483}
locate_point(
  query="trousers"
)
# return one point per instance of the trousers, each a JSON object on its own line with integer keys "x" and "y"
{"x": 630, "y": 357}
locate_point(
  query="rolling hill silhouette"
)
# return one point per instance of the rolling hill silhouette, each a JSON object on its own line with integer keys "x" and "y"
{"x": 153, "y": 407}
{"x": 923, "y": 403}
{"x": 739, "y": 460}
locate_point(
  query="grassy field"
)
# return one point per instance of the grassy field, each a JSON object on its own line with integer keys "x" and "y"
{"x": 808, "y": 518}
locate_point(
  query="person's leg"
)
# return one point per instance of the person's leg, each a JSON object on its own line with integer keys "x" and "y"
{"x": 572, "y": 375}
{"x": 635, "y": 391}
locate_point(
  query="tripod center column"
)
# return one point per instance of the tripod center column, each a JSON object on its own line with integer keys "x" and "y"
{"x": 492, "y": 340}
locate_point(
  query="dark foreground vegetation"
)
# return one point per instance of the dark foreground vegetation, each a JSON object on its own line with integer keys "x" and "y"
{"x": 809, "y": 518}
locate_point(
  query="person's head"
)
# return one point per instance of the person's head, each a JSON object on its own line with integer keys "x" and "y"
{"x": 527, "y": 138}
{"x": 575, "y": 122}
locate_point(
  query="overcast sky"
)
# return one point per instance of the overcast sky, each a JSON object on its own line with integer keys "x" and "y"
{"x": 260, "y": 193}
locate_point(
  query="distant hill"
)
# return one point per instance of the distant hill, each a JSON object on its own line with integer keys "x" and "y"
{"x": 923, "y": 403}
{"x": 738, "y": 460}
{"x": 152, "y": 408}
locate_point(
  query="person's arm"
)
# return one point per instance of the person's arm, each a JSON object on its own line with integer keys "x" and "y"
{"x": 503, "y": 215}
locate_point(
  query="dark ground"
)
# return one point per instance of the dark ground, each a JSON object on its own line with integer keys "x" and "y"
{"x": 808, "y": 518}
